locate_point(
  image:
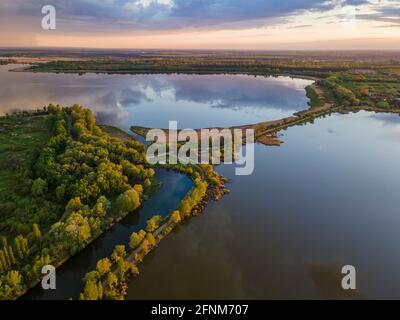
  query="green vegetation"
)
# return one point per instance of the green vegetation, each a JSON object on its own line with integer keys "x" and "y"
{"x": 21, "y": 140}
{"x": 181, "y": 65}
{"x": 65, "y": 182}
{"x": 315, "y": 100}
{"x": 377, "y": 90}
{"x": 116, "y": 133}
{"x": 6, "y": 61}
{"x": 250, "y": 63}
{"x": 108, "y": 281}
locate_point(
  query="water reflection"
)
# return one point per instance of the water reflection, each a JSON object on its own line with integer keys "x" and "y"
{"x": 69, "y": 277}
{"x": 153, "y": 100}
{"x": 326, "y": 198}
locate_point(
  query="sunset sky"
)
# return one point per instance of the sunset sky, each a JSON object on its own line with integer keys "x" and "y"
{"x": 204, "y": 24}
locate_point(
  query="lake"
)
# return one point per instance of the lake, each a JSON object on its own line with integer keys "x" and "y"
{"x": 328, "y": 197}
{"x": 195, "y": 101}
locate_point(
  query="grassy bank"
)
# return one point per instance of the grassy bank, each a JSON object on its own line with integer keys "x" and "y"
{"x": 109, "y": 280}
{"x": 315, "y": 100}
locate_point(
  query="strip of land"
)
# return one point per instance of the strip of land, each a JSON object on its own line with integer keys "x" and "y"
{"x": 344, "y": 81}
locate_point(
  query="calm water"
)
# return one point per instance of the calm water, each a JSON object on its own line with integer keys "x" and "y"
{"x": 152, "y": 100}
{"x": 329, "y": 197}
{"x": 69, "y": 277}
{"x": 326, "y": 198}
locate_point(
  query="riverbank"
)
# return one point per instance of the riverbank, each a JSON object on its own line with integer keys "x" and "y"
{"x": 110, "y": 278}
{"x": 266, "y": 132}
{"x": 39, "y": 190}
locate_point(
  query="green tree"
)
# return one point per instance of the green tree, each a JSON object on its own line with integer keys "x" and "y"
{"x": 60, "y": 193}
{"x": 14, "y": 279}
{"x": 103, "y": 266}
{"x": 133, "y": 269}
{"x": 111, "y": 280}
{"x": 39, "y": 187}
{"x": 118, "y": 253}
{"x": 128, "y": 201}
{"x": 101, "y": 207}
{"x": 6, "y": 252}
{"x": 138, "y": 188}
{"x": 121, "y": 269}
{"x": 153, "y": 223}
{"x": 3, "y": 261}
{"x": 383, "y": 104}
{"x": 74, "y": 205}
{"x": 11, "y": 254}
{"x": 91, "y": 291}
{"x": 36, "y": 232}
{"x": 78, "y": 229}
{"x": 136, "y": 239}
{"x": 17, "y": 248}
{"x": 147, "y": 184}
{"x": 100, "y": 290}
{"x": 175, "y": 217}
{"x": 150, "y": 238}
{"x": 92, "y": 276}
{"x": 185, "y": 209}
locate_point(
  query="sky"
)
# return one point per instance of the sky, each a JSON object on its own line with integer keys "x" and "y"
{"x": 204, "y": 24}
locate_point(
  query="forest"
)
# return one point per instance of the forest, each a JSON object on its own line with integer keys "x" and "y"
{"x": 65, "y": 182}
{"x": 370, "y": 89}
{"x": 109, "y": 280}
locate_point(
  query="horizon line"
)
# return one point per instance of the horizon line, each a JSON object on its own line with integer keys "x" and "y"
{"x": 199, "y": 50}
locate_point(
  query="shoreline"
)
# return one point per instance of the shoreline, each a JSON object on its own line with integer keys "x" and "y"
{"x": 165, "y": 72}
{"x": 266, "y": 131}
{"x": 119, "y": 134}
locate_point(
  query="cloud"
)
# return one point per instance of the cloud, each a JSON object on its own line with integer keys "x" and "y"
{"x": 131, "y": 97}
{"x": 388, "y": 13}
{"x": 139, "y": 15}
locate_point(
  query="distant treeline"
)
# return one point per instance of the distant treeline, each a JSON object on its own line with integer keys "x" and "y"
{"x": 211, "y": 65}
{"x": 7, "y": 61}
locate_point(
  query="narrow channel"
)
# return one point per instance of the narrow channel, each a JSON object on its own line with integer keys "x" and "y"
{"x": 174, "y": 187}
